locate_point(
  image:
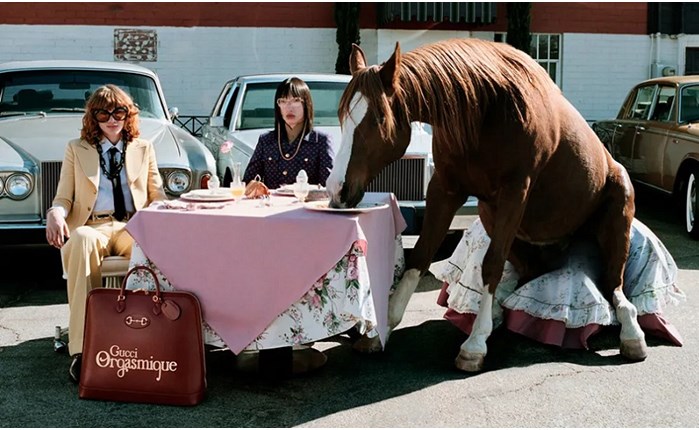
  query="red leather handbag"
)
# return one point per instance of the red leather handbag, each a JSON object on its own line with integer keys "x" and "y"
{"x": 143, "y": 346}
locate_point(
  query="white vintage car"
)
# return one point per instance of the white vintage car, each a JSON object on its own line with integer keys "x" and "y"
{"x": 41, "y": 109}
{"x": 245, "y": 109}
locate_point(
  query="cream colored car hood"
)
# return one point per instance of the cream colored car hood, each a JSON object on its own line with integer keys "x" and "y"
{"x": 44, "y": 139}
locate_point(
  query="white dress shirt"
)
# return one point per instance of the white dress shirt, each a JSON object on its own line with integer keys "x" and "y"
{"x": 105, "y": 195}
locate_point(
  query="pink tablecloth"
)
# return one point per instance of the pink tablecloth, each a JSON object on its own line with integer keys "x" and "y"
{"x": 248, "y": 263}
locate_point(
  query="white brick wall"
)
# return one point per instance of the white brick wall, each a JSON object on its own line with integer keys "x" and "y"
{"x": 193, "y": 63}
{"x": 599, "y": 70}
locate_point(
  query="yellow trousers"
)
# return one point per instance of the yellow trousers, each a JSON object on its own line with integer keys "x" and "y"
{"x": 82, "y": 258}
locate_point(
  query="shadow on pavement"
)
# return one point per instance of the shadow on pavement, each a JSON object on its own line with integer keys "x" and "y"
{"x": 665, "y": 218}
{"x": 36, "y": 391}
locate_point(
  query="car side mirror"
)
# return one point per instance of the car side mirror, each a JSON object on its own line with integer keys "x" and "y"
{"x": 174, "y": 112}
{"x": 216, "y": 121}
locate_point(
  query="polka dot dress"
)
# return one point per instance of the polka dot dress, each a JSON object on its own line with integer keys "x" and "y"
{"x": 314, "y": 155}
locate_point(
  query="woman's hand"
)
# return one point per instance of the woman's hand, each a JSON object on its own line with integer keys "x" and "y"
{"x": 56, "y": 229}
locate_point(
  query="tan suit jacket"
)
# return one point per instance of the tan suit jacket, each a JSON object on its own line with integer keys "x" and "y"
{"x": 80, "y": 176}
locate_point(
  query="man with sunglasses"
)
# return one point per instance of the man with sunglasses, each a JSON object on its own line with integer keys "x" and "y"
{"x": 107, "y": 175}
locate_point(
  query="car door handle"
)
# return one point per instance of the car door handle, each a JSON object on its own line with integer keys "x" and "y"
{"x": 640, "y": 128}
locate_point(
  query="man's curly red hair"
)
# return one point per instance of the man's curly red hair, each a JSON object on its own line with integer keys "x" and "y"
{"x": 109, "y": 97}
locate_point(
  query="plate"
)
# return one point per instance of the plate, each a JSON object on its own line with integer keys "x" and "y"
{"x": 288, "y": 190}
{"x": 218, "y": 195}
{"x": 322, "y": 206}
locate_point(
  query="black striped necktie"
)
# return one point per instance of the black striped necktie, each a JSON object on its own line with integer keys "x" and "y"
{"x": 119, "y": 205}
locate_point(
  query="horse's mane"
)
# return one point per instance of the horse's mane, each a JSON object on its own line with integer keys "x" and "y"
{"x": 455, "y": 84}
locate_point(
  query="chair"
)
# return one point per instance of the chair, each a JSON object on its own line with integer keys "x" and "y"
{"x": 114, "y": 268}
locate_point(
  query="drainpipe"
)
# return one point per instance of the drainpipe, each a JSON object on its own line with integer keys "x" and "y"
{"x": 654, "y": 49}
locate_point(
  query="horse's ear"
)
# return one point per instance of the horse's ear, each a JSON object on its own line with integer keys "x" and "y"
{"x": 357, "y": 59}
{"x": 389, "y": 71}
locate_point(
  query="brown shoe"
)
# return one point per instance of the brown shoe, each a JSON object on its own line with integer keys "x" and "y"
{"x": 74, "y": 370}
{"x": 307, "y": 360}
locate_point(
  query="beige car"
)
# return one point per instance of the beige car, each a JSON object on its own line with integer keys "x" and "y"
{"x": 41, "y": 108}
{"x": 656, "y": 138}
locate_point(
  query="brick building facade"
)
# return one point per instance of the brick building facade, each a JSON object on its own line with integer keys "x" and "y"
{"x": 601, "y": 49}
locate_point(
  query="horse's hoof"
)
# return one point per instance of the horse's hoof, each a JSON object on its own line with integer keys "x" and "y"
{"x": 469, "y": 361}
{"x": 634, "y": 349}
{"x": 368, "y": 345}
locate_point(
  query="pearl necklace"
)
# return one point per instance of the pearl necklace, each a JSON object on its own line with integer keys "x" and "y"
{"x": 288, "y": 157}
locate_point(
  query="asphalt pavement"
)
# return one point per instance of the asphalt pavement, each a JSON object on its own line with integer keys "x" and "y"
{"x": 412, "y": 384}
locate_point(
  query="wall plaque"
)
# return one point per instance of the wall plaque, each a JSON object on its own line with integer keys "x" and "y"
{"x": 135, "y": 45}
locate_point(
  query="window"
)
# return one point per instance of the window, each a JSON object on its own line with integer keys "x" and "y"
{"x": 65, "y": 91}
{"x": 326, "y": 99}
{"x": 467, "y": 12}
{"x": 664, "y": 106}
{"x": 642, "y": 103}
{"x": 689, "y": 107}
{"x": 258, "y": 104}
{"x": 545, "y": 49}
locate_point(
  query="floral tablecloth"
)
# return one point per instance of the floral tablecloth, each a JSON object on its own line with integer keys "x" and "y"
{"x": 337, "y": 301}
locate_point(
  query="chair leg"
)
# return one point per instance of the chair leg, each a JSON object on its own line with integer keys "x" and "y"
{"x": 112, "y": 281}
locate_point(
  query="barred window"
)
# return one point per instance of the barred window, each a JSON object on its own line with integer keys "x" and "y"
{"x": 545, "y": 49}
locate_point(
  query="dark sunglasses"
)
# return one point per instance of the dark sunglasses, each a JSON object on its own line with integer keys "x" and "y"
{"x": 102, "y": 115}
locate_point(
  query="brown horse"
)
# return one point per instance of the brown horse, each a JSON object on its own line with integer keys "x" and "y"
{"x": 504, "y": 133}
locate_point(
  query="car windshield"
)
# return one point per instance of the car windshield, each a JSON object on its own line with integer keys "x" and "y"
{"x": 258, "y": 106}
{"x": 67, "y": 91}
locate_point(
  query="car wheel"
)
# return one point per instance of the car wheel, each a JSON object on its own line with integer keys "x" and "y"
{"x": 691, "y": 215}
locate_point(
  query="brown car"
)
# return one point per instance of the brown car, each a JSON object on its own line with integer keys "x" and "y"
{"x": 655, "y": 137}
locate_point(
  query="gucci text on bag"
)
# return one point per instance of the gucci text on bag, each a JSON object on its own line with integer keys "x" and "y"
{"x": 124, "y": 360}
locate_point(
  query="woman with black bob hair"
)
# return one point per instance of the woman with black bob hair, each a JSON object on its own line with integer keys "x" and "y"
{"x": 293, "y": 145}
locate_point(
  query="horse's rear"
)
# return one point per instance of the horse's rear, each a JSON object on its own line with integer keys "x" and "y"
{"x": 504, "y": 133}
{"x": 566, "y": 185}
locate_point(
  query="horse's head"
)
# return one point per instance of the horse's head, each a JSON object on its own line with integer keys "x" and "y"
{"x": 375, "y": 128}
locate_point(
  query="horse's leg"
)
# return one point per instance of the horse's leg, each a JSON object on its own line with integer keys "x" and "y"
{"x": 441, "y": 205}
{"x": 613, "y": 234}
{"x": 472, "y": 352}
{"x": 510, "y": 209}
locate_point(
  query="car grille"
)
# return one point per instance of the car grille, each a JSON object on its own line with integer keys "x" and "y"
{"x": 50, "y": 173}
{"x": 404, "y": 177}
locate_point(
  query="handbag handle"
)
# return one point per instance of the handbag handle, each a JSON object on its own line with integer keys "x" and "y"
{"x": 121, "y": 298}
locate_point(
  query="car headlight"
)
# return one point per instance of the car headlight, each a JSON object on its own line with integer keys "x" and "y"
{"x": 18, "y": 186}
{"x": 177, "y": 182}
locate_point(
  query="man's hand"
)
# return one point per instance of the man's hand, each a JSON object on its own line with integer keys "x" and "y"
{"x": 56, "y": 229}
